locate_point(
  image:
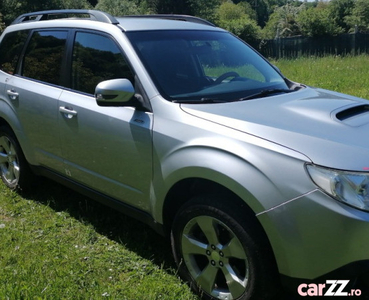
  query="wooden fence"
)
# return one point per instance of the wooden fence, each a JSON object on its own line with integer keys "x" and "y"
{"x": 344, "y": 44}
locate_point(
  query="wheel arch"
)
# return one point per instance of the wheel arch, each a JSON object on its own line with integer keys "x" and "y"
{"x": 5, "y": 123}
{"x": 183, "y": 191}
{"x": 10, "y": 120}
{"x": 196, "y": 170}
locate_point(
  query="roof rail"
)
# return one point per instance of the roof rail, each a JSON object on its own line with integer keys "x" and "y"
{"x": 175, "y": 17}
{"x": 66, "y": 13}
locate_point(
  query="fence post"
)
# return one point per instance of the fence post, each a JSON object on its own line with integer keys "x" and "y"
{"x": 277, "y": 44}
{"x": 353, "y": 41}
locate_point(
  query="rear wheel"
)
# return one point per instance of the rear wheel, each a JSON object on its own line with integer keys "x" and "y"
{"x": 222, "y": 253}
{"x": 14, "y": 169}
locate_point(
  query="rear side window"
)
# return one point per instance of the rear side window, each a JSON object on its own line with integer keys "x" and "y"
{"x": 44, "y": 56}
{"x": 10, "y": 50}
{"x": 96, "y": 58}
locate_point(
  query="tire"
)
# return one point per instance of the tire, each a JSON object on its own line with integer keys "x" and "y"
{"x": 14, "y": 169}
{"x": 222, "y": 252}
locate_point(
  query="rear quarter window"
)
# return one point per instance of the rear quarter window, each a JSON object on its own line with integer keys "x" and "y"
{"x": 10, "y": 50}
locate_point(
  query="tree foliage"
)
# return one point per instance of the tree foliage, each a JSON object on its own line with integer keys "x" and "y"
{"x": 169, "y": 6}
{"x": 339, "y": 10}
{"x": 359, "y": 18}
{"x": 118, "y": 7}
{"x": 206, "y": 9}
{"x": 11, "y": 9}
{"x": 235, "y": 19}
{"x": 2, "y": 24}
{"x": 316, "y": 22}
{"x": 283, "y": 22}
{"x": 261, "y": 9}
{"x": 246, "y": 18}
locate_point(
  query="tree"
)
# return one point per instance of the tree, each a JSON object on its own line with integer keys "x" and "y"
{"x": 77, "y": 4}
{"x": 359, "y": 17}
{"x": 11, "y": 9}
{"x": 339, "y": 10}
{"x": 205, "y": 9}
{"x": 118, "y": 7}
{"x": 283, "y": 22}
{"x": 233, "y": 18}
{"x": 316, "y": 22}
{"x": 2, "y": 25}
{"x": 247, "y": 8}
{"x": 260, "y": 9}
{"x": 169, "y": 6}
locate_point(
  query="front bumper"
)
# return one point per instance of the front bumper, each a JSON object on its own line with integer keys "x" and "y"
{"x": 314, "y": 236}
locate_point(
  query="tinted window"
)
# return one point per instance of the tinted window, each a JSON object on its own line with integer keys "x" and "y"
{"x": 10, "y": 50}
{"x": 96, "y": 58}
{"x": 44, "y": 56}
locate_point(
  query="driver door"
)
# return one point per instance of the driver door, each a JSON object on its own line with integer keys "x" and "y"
{"x": 107, "y": 149}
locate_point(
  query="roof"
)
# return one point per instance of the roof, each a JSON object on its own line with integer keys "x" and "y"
{"x": 143, "y": 23}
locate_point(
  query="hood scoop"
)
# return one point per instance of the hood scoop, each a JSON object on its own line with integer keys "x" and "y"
{"x": 354, "y": 116}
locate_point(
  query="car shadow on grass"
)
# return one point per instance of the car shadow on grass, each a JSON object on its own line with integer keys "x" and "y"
{"x": 136, "y": 236}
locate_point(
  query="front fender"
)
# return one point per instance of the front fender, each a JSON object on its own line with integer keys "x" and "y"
{"x": 263, "y": 177}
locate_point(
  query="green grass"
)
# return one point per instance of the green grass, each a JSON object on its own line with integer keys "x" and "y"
{"x": 55, "y": 244}
{"x": 348, "y": 74}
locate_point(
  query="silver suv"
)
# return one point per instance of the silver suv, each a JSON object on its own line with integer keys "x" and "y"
{"x": 180, "y": 124}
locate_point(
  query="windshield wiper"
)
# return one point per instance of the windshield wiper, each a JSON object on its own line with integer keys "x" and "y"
{"x": 202, "y": 100}
{"x": 265, "y": 93}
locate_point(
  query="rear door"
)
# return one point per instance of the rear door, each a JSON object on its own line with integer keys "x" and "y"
{"x": 33, "y": 94}
{"x": 107, "y": 149}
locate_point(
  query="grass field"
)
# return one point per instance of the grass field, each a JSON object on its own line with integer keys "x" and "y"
{"x": 348, "y": 75}
{"x": 56, "y": 244}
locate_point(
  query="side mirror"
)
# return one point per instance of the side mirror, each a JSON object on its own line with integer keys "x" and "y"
{"x": 115, "y": 92}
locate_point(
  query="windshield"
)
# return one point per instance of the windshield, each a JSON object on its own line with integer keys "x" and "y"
{"x": 204, "y": 66}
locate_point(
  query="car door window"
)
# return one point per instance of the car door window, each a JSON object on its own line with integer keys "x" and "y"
{"x": 44, "y": 56}
{"x": 10, "y": 50}
{"x": 96, "y": 58}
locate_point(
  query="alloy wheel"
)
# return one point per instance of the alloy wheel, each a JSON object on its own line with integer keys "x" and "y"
{"x": 215, "y": 257}
{"x": 9, "y": 163}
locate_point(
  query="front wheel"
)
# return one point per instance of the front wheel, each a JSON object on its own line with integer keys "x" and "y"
{"x": 221, "y": 252}
{"x": 14, "y": 169}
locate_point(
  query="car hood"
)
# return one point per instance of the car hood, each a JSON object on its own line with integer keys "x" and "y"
{"x": 330, "y": 128}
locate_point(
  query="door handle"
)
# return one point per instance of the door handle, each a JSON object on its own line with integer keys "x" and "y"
{"x": 13, "y": 95}
{"x": 69, "y": 113}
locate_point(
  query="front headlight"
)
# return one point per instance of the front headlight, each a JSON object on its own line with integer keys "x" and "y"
{"x": 351, "y": 188}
